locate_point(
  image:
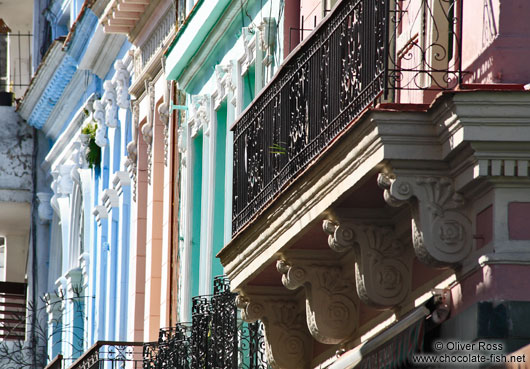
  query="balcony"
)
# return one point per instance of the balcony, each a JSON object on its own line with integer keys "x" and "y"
{"x": 364, "y": 53}
{"x": 107, "y": 354}
{"x": 216, "y": 338}
{"x": 13, "y": 311}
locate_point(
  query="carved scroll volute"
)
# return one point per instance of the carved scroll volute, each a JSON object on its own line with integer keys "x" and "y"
{"x": 441, "y": 232}
{"x": 382, "y": 263}
{"x": 288, "y": 344}
{"x": 331, "y": 311}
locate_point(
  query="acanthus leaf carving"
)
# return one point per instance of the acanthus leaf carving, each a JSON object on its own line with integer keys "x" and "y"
{"x": 111, "y": 108}
{"x": 99, "y": 117}
{"x": 288, "y": 344}
{"x": 441, "y": 231}
{"x": 199, "y": 115}
{"x": 382, "y": 263}
{"x": 122, "y": 78}
{"x": 224, "y": 84}
{"x": 331, "y": 308}
{"x": 132, "y": 150}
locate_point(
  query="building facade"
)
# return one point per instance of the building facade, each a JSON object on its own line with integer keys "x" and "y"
{"x": 379, "y": 187}
{"x": 293, "y": 184}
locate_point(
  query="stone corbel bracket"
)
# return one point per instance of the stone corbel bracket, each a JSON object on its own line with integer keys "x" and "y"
{"x": 122, "y": 78}
{"x": 331, "y": 304}
{"x": 441, "y": 231}
{"x": 99, "y": 117}
{"x": 199, "y": 115}
{"x": 111, "y": 107}
{"x": 382, "y": 264}
{"x": 288, "y": 344}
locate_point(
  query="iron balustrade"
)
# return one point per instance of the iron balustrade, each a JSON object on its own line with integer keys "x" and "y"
{"x": 216, "y": 338}
{"x": 110, "y": 355}
{"x": 364, "y": 51}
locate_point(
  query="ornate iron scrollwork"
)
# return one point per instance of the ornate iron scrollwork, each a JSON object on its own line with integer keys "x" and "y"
{"x": 216, "y": 338}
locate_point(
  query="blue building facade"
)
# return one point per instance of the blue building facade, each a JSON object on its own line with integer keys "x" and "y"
{"x": 79, "y": 102}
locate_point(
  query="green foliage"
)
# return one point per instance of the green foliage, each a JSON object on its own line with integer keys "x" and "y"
{"x": 278, "y": 148}
{"x": 93, "y": 152}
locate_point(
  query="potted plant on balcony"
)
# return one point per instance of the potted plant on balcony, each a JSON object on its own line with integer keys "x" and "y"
{"x": 93, "y": 151}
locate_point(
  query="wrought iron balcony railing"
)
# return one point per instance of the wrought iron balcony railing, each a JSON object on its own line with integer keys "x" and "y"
{"x": 109, "y": 355}
{"x": 363, "y": 51}
{"x": 216, "y": 338}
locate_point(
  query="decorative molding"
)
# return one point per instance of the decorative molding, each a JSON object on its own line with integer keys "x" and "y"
{"x": 267, "y": 30}
{"x": 54, "y": 307}
{"x": 199, "y": 115}
{"x": 121, "y": 179}
{"x": 288, "y": 344}
{"x": 147, "y": 128}
{"x": 249, "y": 45}
{"x": 99, "y": 117}
{"x": 224, "y": 85}
{"x": 331, "y": 310}
{"x": 100, "y": 212}
{"x": 382, "y": 264}
{"x": 163, "y": 111}
{"x": 44, "y": 210}
{"x": 132, "y": 151}
{"x": 441, "y": 231}
{"x": 74, "y": 284}
{"x": 111, "y": 107}
{"x": 110, "y": 199}
{"x": 84, "y": 264}
{"x": 122, "y": 78}
{"x": 181, "y": 141}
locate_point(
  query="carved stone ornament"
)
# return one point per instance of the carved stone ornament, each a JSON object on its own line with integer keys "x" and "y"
{"x": 249, "y": 45}
{"x": 99, "y": 117}
{"x": 181, "y": 140}
{"x": 331, "y": 311}
{"x": 147, "y": 128}
{"x": 122, "y": 78}
{"x": 224, "y": 85}
{"x": 111, "y": 108}
{"x": 132, "y": 151}
{"x": 199, "y": 115}
{"x": 164, "y": 112}
{"x": 441, "y": 232}
{"x": 267, "y": 30}
{"x": 288, "y": 344}
{"x": 44, "y": 210}
{"x": 382, "y": 263}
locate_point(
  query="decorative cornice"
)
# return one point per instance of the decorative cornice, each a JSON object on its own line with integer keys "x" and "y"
{"x": 53, "y": 92}
{"x": 42, "y": 78}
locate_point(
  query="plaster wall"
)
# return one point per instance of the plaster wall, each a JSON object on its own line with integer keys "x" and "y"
{"x": 18, "y": 15}
{"x": 16, "y": 148}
